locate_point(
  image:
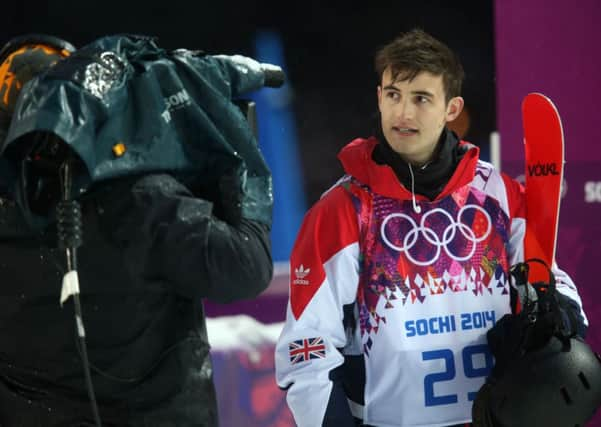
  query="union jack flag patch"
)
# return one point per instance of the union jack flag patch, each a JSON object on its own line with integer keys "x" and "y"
{"x": 305, "y": 349}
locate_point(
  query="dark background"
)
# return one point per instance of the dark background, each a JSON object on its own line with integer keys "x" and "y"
{"x": 328, "y": 50}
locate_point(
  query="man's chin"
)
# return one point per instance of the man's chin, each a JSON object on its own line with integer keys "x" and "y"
{"x": 404, "y": 146}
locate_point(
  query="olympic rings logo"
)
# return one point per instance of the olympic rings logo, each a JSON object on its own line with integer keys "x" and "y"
{"x": 440, "y": 243}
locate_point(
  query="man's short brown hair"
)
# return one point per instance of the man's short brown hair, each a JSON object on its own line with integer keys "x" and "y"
{"x": 416, "y": 51}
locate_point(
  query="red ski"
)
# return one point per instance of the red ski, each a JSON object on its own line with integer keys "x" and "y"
{"x": 544, "y": 152}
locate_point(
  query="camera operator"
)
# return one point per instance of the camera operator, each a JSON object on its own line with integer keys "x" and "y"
{"x": 154, "y": 245}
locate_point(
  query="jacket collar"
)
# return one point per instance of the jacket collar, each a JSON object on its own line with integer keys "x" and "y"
{"x": 385, "y": 175}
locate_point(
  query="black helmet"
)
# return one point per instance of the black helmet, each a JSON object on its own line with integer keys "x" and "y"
{"x": 557, "y": 385}
{"x": 21, "y": 59}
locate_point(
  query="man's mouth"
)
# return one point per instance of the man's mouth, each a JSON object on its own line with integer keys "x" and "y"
{"x": 404, "y": 131}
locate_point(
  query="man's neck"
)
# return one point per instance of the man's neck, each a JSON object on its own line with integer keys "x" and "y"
{"x": 430, "y": 177}
{"x": 422, "y": 162}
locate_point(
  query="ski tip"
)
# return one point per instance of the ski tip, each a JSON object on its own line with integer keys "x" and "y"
{"x": 536, "y": 95}
{"x": 537, "y": 101}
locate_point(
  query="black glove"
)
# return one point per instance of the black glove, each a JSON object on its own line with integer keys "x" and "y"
{"x": 545, "y": 313}
{"x": 481, "y": 409}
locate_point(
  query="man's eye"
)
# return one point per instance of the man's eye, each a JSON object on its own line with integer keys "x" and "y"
{"x": 393, "y": 95}
{"x": 422, "y": 99}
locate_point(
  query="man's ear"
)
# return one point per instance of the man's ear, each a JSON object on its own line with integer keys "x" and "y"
{"x": 454, "y": 108}
{"x": 379, "y": 97}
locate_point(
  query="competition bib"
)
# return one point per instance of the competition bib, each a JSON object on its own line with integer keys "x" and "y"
{"x": 429, "y": 360}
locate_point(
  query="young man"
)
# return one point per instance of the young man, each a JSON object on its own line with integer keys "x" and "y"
{"x": 402, "y": 267}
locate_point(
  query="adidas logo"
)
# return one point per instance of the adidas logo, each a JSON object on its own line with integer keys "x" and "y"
{"x": 300, "y": 273}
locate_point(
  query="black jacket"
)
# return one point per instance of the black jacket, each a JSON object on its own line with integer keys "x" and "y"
{"x": 152, "y": 251}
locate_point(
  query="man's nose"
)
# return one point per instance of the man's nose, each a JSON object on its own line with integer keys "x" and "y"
{"x": 405, "y": 110}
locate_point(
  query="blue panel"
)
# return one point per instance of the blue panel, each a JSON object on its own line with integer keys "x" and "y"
{"x": 278, "y": 141}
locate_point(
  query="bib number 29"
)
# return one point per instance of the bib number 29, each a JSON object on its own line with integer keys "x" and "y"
{"x": 449, "y": 373}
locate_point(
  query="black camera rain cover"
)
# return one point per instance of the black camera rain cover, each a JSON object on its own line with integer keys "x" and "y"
{"x": 171, "y": 111}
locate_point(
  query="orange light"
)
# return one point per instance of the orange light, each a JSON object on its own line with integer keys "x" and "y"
{"x": 119, "y": 149}
{"x": 11, "y": 82}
